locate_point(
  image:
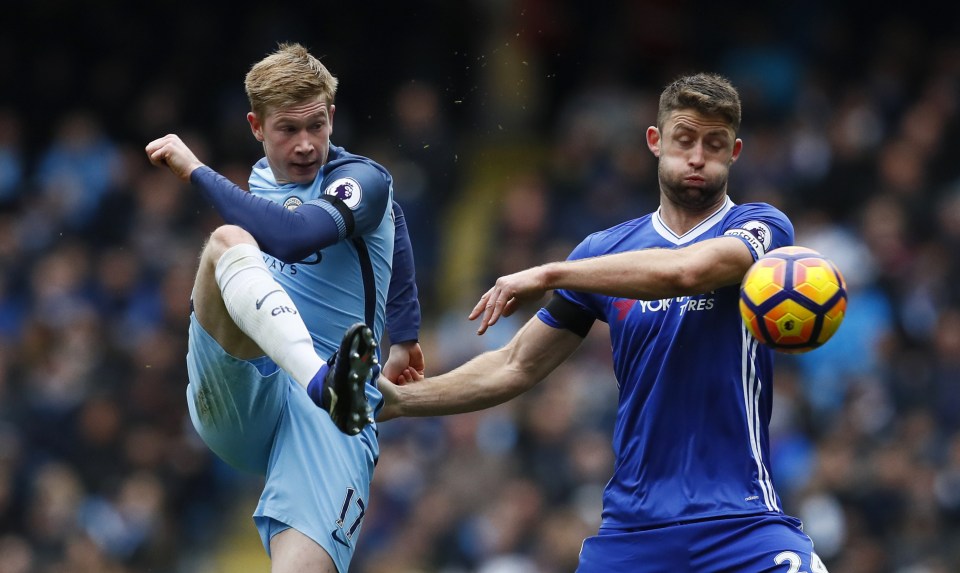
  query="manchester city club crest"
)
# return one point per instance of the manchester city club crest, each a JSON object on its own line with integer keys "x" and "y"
{"x": 292, "y": 203}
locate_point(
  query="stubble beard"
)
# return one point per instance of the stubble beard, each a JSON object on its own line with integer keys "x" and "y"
{"x": 691, "y": 198}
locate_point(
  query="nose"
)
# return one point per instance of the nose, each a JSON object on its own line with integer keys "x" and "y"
{"x": 303, "y": 143}
{"x": 696, "y": 155}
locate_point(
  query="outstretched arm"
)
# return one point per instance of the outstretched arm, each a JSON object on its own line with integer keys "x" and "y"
{"x": 487, "y": 380}
{"x": 288, "y": 235}
{"x": 645, "y": 275}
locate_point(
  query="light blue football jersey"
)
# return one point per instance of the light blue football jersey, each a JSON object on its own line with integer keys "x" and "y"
{"x": 690, "y": 437}
{"x": 347, "y": 282}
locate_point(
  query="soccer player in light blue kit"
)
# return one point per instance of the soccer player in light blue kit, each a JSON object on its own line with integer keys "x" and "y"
{"x": 316, "y": 249}
{"x": 692, "y": 488}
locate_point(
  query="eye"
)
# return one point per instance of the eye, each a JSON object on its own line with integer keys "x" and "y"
{"x": 717, "y": 144}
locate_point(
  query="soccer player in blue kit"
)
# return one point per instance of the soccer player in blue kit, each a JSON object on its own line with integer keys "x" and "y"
{"x": 691, "y": 488}
{"x": 318, "y": 248}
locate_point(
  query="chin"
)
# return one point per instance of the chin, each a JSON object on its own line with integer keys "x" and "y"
{"x": 301, "y": 176}
{"x": 696, "y": 198}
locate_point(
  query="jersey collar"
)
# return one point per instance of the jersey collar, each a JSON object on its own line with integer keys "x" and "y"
{"x": 695, "y": 232}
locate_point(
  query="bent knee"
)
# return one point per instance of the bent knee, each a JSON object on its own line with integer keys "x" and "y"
{"x": 224, "y": 237}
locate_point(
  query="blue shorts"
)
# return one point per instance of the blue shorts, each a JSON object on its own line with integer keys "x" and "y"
{"x": 258, "y": 419}
{"x": 768, "y": 543}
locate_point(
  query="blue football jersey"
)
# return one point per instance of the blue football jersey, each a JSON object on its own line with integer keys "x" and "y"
{"x": 346, "y": 282}
{"x": 690, "y": 437}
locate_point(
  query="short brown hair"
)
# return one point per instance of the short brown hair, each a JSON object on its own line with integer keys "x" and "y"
{"x": 287, "y": 77}
{"x": 710, "y": 94}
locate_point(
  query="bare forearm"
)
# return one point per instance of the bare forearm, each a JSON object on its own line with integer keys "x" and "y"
{"x": 491, "y": 378}
{"x": 480, "y": 383}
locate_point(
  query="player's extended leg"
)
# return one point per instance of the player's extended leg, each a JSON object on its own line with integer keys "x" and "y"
{"x": 238, "y": 302}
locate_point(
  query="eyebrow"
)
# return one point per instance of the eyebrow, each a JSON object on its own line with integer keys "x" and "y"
{"x": 714, "y": 132}
{"x": 313, "y": 117}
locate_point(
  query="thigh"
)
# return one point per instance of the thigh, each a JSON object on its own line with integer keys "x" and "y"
{"x": 293, "y": 552}
{"x": 207, "y": 301}
{"x": 235, "y": 405}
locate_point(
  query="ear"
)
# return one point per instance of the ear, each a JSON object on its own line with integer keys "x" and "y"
{"x": 653, "y": 140}
{"x": 255, "y": 126}
{"x": 332, "y": 109}
{"x": 737, "y": 148}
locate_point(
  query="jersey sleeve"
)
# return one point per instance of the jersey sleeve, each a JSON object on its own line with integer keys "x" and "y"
{"x": 403, "y": 304}
{"x": 572, "y": 310}
{"x": 761, "y": 227}
{"x": 356, "y": 194}
{"x": 561, "y": 312}
{"x": 287, "y": 235}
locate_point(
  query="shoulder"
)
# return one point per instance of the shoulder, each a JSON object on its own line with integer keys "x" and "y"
{"x": 625, "y": 228}
{"x": 261, "y": 177}
{"x": 623, "y": 236}
{"x": 761, "y": 225}
{"x": 340, "y": 160}
{"x": 761, "y": 213}
{"x": 756, "y": 209}
{"x": 352, "y": 177}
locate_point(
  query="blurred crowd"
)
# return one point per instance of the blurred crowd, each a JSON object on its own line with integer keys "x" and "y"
{"x": 519, "y": 135}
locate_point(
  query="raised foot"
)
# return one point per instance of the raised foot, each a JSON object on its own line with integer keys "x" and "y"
{"x": 344, "y": 386}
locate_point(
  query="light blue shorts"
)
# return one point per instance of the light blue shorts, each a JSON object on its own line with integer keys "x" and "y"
{"x": 258, "y": 419}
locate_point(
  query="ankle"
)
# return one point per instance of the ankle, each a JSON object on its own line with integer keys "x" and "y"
{"x": 315, "y": 388}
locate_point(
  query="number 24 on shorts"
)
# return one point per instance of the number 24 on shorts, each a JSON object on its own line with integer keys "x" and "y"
{"x": 794, "y": 562}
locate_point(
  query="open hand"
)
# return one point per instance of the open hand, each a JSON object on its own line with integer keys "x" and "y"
{"x": 507, "y": 295}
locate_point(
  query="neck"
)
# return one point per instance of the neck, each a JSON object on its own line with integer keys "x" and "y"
{"x": 681, "y": 219}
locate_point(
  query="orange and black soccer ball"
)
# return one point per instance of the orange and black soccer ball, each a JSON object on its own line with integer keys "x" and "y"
{"x": 793, "y": 299}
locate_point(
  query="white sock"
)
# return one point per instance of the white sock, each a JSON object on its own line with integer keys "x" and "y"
{"x": 264, "y": 312}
